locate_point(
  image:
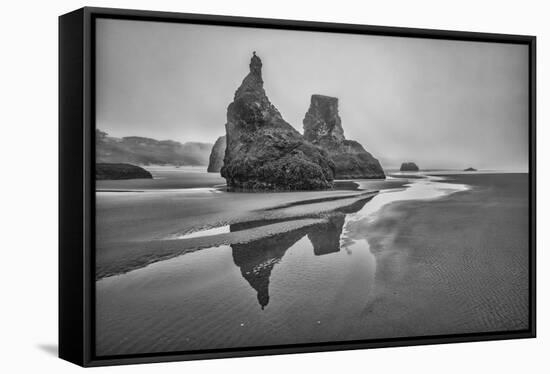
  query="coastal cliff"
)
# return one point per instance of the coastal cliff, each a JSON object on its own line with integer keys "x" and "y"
{"x": 263, "y": 150}
{"x": 146, "y": 151}
{"x": 323, "y": 127}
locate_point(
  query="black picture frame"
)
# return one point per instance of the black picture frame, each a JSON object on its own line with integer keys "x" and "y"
{"x": 77, "y": 183}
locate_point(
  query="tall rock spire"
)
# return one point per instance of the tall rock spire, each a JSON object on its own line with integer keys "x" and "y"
{"x": 255, "y": 65}
{"x": 253, "y": 82}
{"x": 322, "y": 122}
{"x": 262, "y": 150}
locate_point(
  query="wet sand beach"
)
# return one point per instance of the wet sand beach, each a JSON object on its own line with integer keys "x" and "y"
{"x": 207, "y": 269}
{"x": 136, "y": 228}
{"x": 454, "y": 265}
{"x": 165, "y": 178}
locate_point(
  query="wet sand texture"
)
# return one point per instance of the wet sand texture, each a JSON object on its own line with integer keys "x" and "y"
{"x": 456, "y": 264}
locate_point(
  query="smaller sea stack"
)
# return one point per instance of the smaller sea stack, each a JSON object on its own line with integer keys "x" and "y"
{"x": 216, "y": 156}
{"x": 323, "y": 128}
{"x": 409, "y": 166}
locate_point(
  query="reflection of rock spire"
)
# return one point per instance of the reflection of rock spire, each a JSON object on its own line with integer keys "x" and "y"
{"x": 257, "y": 259}
{"x": 258, "y": 278}
{"x": 325, "y": 238}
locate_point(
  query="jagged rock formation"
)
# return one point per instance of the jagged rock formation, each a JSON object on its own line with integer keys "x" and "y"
{"x": 263, "y": 150}
{"x": 409, "y": 166}
{"x": 216, "y": 156}
{"x": 105, "y": 171}
{"x": 147, "y": 151}
{"x": 323, "y": 127}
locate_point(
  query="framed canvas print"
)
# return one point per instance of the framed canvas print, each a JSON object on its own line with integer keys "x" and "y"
{"x": 237, "y": 186}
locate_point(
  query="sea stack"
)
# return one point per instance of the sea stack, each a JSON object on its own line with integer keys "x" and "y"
{"x": 216, "y": 156}
{"x": 323, "y": 127}
{"x": 263, "y": 151}
{"x": 409, "y": 166}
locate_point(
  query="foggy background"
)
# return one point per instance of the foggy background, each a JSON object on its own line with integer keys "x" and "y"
{"x": 441, "y": 104}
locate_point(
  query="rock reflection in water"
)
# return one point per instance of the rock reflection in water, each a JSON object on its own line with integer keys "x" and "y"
{"x": 257, "y": 259}
{"x": 325, "y": 237}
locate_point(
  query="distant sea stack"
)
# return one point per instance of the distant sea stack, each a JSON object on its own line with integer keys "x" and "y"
{"x": 409, "y": 166}
{"x": 105, "y": 171}
{"x": 216, "y": 155}
{"x": 263, "y": 150}
{"x": 470, "y": 169}
{"x": 323, "y": 127}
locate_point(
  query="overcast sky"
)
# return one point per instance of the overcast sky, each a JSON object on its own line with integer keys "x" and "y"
{"x": 442, "y": 104}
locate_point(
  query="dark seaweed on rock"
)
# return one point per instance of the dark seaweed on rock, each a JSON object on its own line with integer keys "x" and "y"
{"x": 323, "y": 127}
{"x": 263, "y": 150}
{"x": 104, "y": 171}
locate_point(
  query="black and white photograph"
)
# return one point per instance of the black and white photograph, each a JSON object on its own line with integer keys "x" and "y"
{"x": 261, "y": 187}
{"x": 244, "y": 186}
